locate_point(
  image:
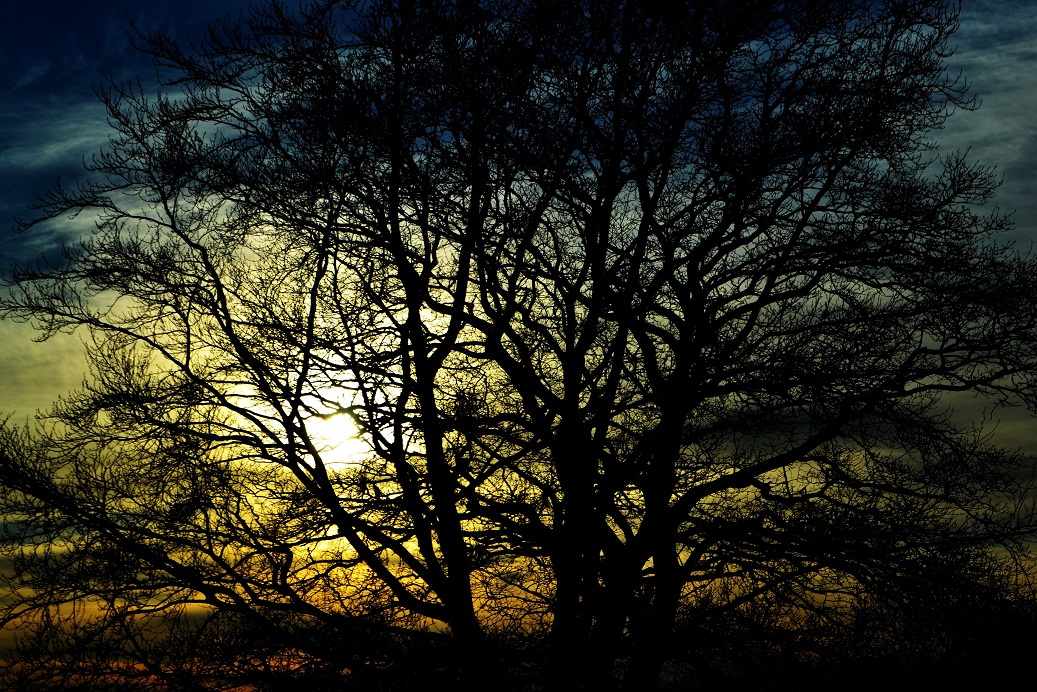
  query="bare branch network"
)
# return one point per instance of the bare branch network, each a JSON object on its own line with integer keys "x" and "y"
{"x": 644, "y": 313}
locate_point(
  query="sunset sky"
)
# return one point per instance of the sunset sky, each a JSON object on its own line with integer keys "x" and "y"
{"x": 53, "y": 54}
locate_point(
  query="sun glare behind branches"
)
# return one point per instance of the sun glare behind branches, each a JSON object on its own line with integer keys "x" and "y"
{"x": 338, "y": 439}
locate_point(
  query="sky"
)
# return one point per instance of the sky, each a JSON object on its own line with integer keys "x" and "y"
{"x": 54, "y": 54}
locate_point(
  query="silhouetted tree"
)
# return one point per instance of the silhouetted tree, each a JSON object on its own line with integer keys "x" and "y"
{"x": 643, "y": 310}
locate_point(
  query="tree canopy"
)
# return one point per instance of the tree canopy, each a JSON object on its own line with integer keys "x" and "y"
{"x": 643, "y": 312}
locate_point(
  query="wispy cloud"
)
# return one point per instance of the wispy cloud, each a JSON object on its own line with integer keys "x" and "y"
{"x": 45, "y": 140}
{"x": 997, "y": 54}
{"x": 31, "y": 75}
{"x": 52, "y": 136}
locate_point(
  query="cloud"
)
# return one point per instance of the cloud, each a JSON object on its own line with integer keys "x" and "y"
{"x": 32, "y": 74}
{"x": 45, "y": 140}
{"x": 51, "y": 56}
{"x": 52, "y": 136}
{"x": 997, "y": 55}
{"x": 33, "y": 374}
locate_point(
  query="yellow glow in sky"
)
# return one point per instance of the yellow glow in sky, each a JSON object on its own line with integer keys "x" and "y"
{"x": 336, "y": 437}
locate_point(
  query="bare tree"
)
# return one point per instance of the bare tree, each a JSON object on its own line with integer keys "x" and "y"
{"x": 637, "y": 307}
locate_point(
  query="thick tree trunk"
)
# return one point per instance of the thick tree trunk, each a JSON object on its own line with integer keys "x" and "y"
{"x": 575, "y": 557}
{"x": 652, "y": 630}
{"x": 651, "y": 641}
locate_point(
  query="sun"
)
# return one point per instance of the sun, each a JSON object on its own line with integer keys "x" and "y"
{"x": 337, "y": 439}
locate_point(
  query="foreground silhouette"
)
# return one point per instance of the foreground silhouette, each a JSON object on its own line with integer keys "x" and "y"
{"x": 647, "y": 316}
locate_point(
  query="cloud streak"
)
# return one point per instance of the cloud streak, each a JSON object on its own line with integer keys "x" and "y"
{"x": 997, "y": 53}
{"x": 53, "y": 137}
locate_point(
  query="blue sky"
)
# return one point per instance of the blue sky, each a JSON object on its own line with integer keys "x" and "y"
{"x": 997, "y": 52}
{"x": 53, "y": 54}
